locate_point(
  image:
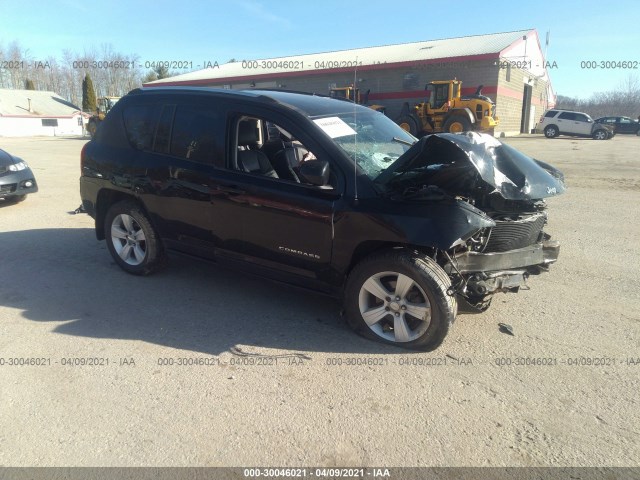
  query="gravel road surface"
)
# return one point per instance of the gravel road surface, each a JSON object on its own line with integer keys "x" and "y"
{"x": 203, "y": 366}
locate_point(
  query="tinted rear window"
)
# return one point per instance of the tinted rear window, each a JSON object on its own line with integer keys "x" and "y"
{"x": 551, "y": 114}
{"x": 198, "y": 133}
{"x": 140, "y": 124}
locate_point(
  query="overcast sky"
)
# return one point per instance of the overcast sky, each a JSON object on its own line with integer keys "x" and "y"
{"x": 200, "y": 31}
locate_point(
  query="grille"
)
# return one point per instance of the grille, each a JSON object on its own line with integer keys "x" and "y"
{"x": 512, "y": 234}
{"x": 9, "y": 188}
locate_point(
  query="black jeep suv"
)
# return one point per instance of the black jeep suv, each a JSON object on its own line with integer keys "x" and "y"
{"x": 323, "y": 194}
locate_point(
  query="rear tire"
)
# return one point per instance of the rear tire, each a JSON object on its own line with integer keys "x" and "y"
{"x": 132, "y": 241}
{"x": 92, "y": 128}
{"x": 400, "y": 298}
{"x": 551, "y": 131}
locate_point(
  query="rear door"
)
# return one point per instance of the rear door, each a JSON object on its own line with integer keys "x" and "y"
{"x": 182, "y": 171}
{"x": 567, "y": 123}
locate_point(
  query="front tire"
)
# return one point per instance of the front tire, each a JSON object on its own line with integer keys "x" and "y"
{"x": 16, "y": 199}
{"x": 600, "y": 135}
{"x": 457, "y": 124}
{"x": 400, "y": 298}
{"x": 132, "y": 241}
{"x": 409, "y": 124}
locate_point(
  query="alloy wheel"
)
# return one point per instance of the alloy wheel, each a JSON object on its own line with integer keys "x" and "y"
{"x": 394, "y": 307}
{"x": 128, "y": 239}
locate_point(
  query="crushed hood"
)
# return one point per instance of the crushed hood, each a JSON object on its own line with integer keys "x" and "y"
{"x": 508, "y": 171}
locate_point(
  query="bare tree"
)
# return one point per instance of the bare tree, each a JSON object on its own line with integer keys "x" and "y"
{"x": 624, "y": 100}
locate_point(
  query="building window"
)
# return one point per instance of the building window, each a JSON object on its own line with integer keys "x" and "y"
{"x": 508, "y": 72}
{"x": 49, "y": 122}
{"x": 410, "y": 81}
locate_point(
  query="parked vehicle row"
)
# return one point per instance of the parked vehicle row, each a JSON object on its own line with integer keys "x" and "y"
{"x": 621, "y": 124}
{"x": 16, "y": 178}
{"x": 557, "y": 122}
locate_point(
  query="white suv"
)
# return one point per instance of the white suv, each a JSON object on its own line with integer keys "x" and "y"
{"x": 576, "y": 124}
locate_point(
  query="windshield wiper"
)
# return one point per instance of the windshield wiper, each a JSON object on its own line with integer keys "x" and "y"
{"x": 399, "y": 140}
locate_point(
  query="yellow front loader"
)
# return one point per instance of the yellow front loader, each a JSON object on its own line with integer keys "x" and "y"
{"x": 104, "y": 105}
{"x": 445, "y": 110}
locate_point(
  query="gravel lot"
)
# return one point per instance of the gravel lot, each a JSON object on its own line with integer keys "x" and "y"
{"x": 62, "y": 299}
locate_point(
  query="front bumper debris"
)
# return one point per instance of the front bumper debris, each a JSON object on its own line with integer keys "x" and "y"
{"x": 538, "y": 255}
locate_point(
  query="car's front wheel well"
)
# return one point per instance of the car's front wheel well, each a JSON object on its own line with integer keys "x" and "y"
{"x": 107, "y": 198}
{"x": 369, "y": 248}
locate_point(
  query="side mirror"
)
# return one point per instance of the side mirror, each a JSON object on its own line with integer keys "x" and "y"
{"x": 315, "y": 172}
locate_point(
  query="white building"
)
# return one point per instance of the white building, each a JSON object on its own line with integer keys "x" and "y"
{"x": 34, "y": 112}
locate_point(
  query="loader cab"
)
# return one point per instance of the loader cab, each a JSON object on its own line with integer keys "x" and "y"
{"x": 439, "y": 95}
{"x": 346, "y": 93}
{"x": 106, "y": 103}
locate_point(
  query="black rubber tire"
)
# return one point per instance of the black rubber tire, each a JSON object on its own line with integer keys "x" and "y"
{"x": 422, "y": 270}
{"x": 601, "y": 135}
{"x": 551, "y": 131}
{"x": 412, "y": 123}
{"x": 457, "y": 119}
{"x": 154, "y": 258}
{"x": 16, "y": 198}
{"x": 92, "y": 127}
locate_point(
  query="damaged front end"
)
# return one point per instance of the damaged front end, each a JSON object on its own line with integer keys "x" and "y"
{"x": 505, "y": 187}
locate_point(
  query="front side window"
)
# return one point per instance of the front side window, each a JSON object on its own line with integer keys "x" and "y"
{"x": 567, "y": 116}
{"x": 265, "y": 148}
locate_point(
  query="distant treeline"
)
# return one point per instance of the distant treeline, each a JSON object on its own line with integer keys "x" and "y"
{"x": 624, "y": 100}
{"x": 113, "y": 73}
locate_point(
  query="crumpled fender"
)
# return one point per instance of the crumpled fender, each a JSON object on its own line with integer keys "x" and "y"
{"x": 442, "y": 225}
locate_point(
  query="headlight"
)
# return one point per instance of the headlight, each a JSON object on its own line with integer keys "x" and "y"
{"x": 16, "y": 167}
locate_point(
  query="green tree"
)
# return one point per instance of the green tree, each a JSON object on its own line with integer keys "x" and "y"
{"x": 89, "y": 103}
{"x": 28, "y": 84}
{"x": 157, "y": 73}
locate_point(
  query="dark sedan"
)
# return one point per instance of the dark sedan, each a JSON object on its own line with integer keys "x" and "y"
{"x": 621, "y": 124}
{"x": 16, "y": 178}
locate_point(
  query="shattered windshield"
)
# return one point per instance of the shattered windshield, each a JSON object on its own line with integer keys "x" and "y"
{"x": 371, "y": 139}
